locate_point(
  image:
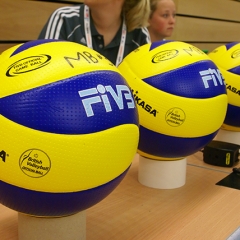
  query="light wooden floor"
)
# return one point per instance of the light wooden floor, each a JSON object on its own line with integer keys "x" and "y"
{"x": 200, "y": 210}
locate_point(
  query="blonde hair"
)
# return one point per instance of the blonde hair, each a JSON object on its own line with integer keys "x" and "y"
{"x": 136, "y": 13}
{"x": 153, "y": 6}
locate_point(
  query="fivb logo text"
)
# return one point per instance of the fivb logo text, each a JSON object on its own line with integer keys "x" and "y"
{"x": 211, "y": 75}
{"x": 103, "y": 95}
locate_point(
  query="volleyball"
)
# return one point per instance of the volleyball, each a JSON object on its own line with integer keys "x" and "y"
{"x": 180, "y": 95}
{"x": 69, "y": 128}
{"x": 227, "y": 58}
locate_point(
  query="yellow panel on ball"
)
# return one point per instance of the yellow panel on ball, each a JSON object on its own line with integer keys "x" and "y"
{"x": 72, "y": 61}
{"x": 65, "y": 162}
{"x": 152, "y": 118}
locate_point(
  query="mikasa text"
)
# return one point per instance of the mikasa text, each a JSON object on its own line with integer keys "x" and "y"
{"x": 211, "y": 75}
{"x": 3, "y": 155}
{"x": 101, "y": 94}
{"x": 140, "y": 102}
{"x": 233, "y": 89}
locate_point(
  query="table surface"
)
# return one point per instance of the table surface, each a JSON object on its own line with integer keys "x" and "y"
{"x": 198, "y": 210}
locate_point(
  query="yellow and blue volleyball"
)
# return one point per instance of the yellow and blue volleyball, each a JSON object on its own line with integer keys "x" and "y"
{"x": 69, "y": 128}
{"x": 180, "y": 95}
{"x": 227, "y": 58}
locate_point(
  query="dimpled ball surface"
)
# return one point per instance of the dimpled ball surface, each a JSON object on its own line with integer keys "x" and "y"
{"x": 227, "y": 58}
{"x": 180, "y": 95}
{"x": 69, "y": 128}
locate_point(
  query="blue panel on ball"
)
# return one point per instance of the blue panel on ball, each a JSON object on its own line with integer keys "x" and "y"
{"x": 54, "y": 204}
{"x": 230, "y": 45}
{"x": 233, "y": 116}
{"x": 30, "y": 44}
{"x": 235, "y": 70}
{"x": 197, "y": 80}
{"x": 86, "y": 103}
{"x": 164, "y": 146}
{"x": 159, "y": 43}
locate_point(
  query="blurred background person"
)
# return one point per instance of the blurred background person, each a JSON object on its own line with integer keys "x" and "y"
{"x": 162, "y": 19}
{"x": 113, "y": 28}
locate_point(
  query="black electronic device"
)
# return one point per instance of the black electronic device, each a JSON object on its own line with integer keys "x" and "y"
{"x": 220, "y": 153}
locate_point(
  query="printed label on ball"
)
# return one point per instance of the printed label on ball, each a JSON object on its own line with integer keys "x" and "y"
{"x": 211, "y": 75}
{"x": 87, "y": 57}
{"x": 101, "y": 94}
{"x": 233, "y": 89}
{"x": 3, "y": 155}
{"x": 172, "y": 53}
{"x": 28, "y": 64}
{"x": 164, "y": 55}
{"x": 35, "y": 163}
{"x": 175, "y": 117}
{"x": 142, "y": 103}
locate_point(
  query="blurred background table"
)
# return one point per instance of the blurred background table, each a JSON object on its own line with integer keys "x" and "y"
{"x": 199, "y": 210}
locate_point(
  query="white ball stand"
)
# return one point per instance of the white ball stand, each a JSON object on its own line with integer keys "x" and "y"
{"x": 61, "y": 228}
{"x": 164, "y": 174}
{"x": 228, "y": 136}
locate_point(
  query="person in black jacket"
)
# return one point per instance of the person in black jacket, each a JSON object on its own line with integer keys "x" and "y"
{"x": 113, "y": 28}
